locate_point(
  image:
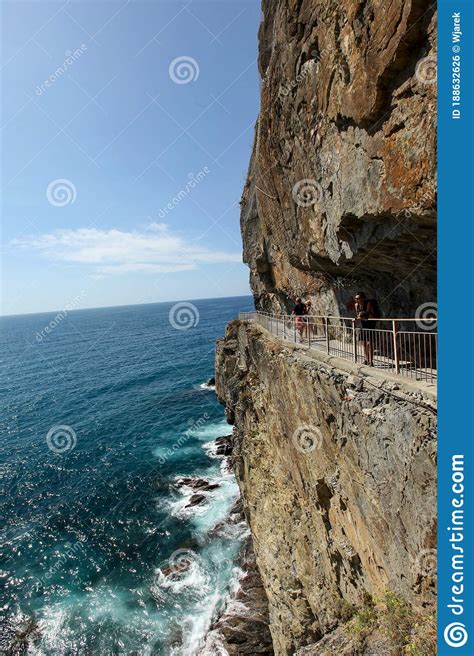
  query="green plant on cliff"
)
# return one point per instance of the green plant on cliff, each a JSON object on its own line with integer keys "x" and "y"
{"x": 364, "y": 621}
{"x": 423, "y": 640}
{"x": 408, "y": 632}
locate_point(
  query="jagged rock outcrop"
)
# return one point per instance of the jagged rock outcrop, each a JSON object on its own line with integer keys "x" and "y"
{"x": 337, "y": 473}
{"x": 341, "y": 186}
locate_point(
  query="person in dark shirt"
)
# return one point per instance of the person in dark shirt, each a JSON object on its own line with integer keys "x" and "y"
{"x": 299, "y": 312}
{"x": 366, "y": 313}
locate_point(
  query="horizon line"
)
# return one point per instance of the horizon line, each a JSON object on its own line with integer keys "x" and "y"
{"x": 108, "y": 307}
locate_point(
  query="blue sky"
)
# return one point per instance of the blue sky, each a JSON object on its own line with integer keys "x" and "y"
{"x": 126, "y": 133}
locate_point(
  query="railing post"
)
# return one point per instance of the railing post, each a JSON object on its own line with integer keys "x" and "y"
{"x": 326, "y": 327}
{"x": 284, "y": 327}
{"x": 395, "y": 347}
{"x": 354, "y": 339}
{"x": 294, "y": 328}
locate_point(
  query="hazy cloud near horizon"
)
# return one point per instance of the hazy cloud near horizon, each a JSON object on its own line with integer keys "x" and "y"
{"x": 153, "y": 249}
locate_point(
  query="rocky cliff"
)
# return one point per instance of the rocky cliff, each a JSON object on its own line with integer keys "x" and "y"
{"x": 341, "y": 186}
{"x": 336, "y": 466}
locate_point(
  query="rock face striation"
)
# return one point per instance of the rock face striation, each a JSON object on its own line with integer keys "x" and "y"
{"x": 336, "y": 465}
{"x": 341, "y": 186}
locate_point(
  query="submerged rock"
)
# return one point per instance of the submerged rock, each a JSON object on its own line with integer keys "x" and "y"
{"x": 197, "y": 484}
{"x": 195, "y": 500}
{"x": 18, "y": 635}
{"x": 223, "y": 445}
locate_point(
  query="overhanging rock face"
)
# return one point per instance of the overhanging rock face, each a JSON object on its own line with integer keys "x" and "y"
{"x": 341, "y": 188}
{"x": 336, "y": 467}
{"x": 338, "y": 477}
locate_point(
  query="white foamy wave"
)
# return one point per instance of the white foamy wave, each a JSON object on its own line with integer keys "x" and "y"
{"x": 211, "y": 449}
{"x": 194, "y": 579}
{"x": 212, "y": 431}
{"x": 207, "y": 387}
{"x": 196, "y": 627}
{"x": 213, "y": 644}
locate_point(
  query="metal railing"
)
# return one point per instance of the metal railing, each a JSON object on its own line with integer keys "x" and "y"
{"x": 407, "y": 347}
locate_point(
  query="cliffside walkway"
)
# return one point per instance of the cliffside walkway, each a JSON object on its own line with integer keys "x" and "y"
{"x": 406, "y": 347}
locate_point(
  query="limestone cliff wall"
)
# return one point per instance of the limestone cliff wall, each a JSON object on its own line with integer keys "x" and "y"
{"x": 341, "y": 186}
{"x": 337, "y": 473}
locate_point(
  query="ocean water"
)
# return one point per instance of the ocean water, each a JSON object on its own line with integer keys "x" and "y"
{"x": 101, "y": 414}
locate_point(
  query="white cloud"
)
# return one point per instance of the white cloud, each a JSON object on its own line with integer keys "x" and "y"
{"x": 158, "y": 227}
{"x": 156, "y": 250}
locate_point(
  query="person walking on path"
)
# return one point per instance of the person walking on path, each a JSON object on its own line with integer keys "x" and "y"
{"x": 299, "y": 312}
{"x": 366, "y": 313}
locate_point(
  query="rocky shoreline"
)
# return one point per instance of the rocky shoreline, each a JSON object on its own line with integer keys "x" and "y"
{"x": 243, "y": 626}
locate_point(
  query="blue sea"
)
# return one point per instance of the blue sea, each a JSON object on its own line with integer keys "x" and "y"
{"x": 103, "y": 411}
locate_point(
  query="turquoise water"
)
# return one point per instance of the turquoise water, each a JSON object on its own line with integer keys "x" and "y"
{"x": 91, "y": 513}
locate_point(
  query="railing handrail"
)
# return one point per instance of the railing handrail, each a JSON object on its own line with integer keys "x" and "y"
{"x": 390, "y": 345}
{"x": 342, "y": 318}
